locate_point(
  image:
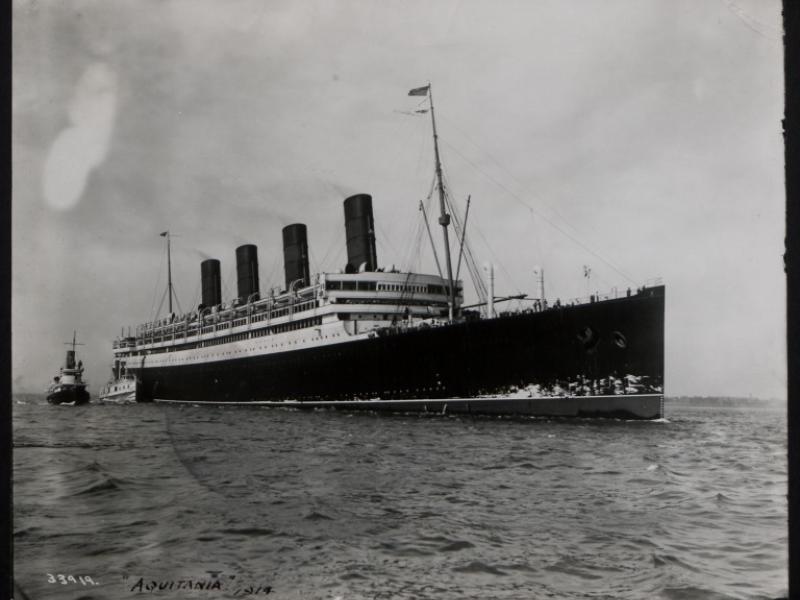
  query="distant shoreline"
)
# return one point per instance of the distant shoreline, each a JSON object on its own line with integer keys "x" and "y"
{"x": 721, "y": 401}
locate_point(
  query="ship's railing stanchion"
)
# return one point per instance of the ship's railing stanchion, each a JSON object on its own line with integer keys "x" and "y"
{"x": 202, "y": 322}
{"x": 250, "y": 308}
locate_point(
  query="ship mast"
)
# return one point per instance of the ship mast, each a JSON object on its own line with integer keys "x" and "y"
{"x": 169, "y": 270}
{"x": 70, "y": 361}
{"x": 444, "y": 218}
{"x": 74, "y": 341}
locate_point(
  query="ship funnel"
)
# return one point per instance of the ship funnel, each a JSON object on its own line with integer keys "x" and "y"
{"x": 360, "y": 230}
{"x": 210, "y": 282}
{"x": 70, "y": 361}
{"x": 295, "y": 255}
{"x": 247, "y": 272}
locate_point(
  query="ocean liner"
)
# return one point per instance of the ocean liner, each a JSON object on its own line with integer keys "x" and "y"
{"x": 372, "y": 338}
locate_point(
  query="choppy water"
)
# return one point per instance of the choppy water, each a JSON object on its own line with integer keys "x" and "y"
{"x": 330, "y": 505}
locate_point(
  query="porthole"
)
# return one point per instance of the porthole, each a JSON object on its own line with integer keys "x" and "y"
{"x": 588, "y": 337}
{"x": 620, "y": 341}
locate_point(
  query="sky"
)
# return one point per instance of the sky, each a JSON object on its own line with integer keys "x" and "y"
{"x": 639, "y": 138}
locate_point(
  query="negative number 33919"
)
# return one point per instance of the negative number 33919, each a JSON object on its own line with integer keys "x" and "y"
{"x": 67, "y": 579}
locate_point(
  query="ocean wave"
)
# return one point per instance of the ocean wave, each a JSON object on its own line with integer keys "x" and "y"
{"x": 248, "y": 531}
{"x": 479, "y": 567}
{"x": 105, "y": 485}
{"x": 317, "y": 516}
{"x": 422, "y": 507}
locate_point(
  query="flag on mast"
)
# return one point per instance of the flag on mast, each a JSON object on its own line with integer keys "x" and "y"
{"x": 420, "y": 91}
{"x": 163, "y": 233}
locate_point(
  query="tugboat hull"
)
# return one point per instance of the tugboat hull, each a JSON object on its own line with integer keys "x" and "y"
{"x": 68, "y": 395}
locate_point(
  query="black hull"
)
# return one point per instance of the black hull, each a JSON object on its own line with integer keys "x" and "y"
{"x": 586, "y": 342}
{"x": 74, "y": 395}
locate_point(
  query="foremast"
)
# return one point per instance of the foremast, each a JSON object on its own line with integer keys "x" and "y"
{"x": 169, "y": 270}
{"x": 444, "y": 217}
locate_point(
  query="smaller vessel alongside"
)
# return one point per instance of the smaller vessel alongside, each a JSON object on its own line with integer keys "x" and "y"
{"x": 68, "y": 386}
{"x": 121, "y": 389}
{"x": 124, "y": 387}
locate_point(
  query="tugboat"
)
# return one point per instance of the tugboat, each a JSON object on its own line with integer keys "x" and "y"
{"x": 68, "y": 386}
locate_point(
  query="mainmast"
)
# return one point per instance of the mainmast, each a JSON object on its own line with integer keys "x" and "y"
{"x": 444, "y": 218}
{"x": 169, "y": 270}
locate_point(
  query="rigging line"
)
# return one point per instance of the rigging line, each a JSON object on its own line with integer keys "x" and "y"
{"x": 156, "y": 286}
{"x": 270, "y": 280}
{"x": 178, "y": 302}
{"x": 432, "y": 187}
{"x": 197, "y": 296}
{"x": 534, "y": 212}
{"x": 406, "y": 250}
{"x": 227, "y": 289}
{"x": 511, "y": 175}
{"x": 340, "y": 257}
{"x": 425, "y": 228}
{"x": 407, "y": 294}
{"x": 752, "y": 23}
{"x": 160, "y": 304}
{"x": 407, "y": 247}
{"x": 497, "y": 261}
{"x": 430, "y": 237}
{"x": 475, "y": 273}
{"x": 463, "y": 237}
{"x": 392, "y": 158}
{"x": 334, "y": 242}
{"x": 545, "y": 219}
{"x": 472, "y": 267}
{"x": 422, "y": 148}
{"x": 314, "y": 264}
{"x": 536, "y": 239}
{"x": 476, "y": 278}
{"x": 383, "y": 237}
{"x": 419, "y": 257}
{"x": 411, "y": 254}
